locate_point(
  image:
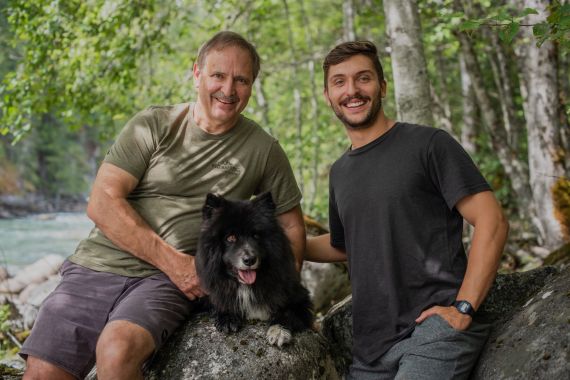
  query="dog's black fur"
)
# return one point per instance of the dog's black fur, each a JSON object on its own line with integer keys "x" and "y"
{"x": 246, "y": 265}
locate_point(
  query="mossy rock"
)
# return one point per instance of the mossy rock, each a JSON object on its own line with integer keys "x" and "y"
{"x": 561, "y": 256}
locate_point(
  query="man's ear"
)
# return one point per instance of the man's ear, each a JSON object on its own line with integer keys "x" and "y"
{"x": 196, "y": 73}
{"x": 326, "y": 96}
{"x": 383, "y": 88}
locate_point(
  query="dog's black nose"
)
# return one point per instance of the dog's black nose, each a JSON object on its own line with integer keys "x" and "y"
{"x": 249, "y": 261}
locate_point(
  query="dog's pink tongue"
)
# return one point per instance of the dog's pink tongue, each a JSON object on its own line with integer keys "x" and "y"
{"x": 247, "y": 276}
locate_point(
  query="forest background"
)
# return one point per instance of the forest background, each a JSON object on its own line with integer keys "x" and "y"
{"x": 495, "y": 74}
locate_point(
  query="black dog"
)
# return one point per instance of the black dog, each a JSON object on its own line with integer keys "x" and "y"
{"x": 245, "y": 263}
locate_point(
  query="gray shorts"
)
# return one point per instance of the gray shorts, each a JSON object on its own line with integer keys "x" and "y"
{"x": 434, "y": 351}
{"x": 72, "y": 317}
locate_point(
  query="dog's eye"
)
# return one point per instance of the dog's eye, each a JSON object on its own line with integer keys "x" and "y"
{"x": 231, "y": 238}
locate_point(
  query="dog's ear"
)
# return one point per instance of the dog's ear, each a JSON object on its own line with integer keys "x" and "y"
{"x": 265, "y": 200}
{"x": 212, "y": 203}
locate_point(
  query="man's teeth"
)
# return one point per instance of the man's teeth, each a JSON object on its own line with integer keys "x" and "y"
{"x": 355, "y": 104}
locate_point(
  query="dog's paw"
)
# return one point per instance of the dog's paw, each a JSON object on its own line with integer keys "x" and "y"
{"x": 228, "y": 323}
{"x": 278, "y": 335}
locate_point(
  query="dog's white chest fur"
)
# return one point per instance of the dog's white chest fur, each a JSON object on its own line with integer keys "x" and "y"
{"x": 249, "y": 305}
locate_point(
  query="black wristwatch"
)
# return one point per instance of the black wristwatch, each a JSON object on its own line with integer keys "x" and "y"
{"x": 464, "y": 307}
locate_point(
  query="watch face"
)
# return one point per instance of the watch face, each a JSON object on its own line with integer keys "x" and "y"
{"x": 464, "y": 307}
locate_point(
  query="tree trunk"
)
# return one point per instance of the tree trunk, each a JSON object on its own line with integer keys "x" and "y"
{"x": 503, "y": 83}
{"x": 564, "y": 82}
{"x": 297, "y": 102}
{"x": 514, "y": 167}
{"x": 262, "y": 103}
{"x": 411, "y": 83}
{"x": 348, "y": 20}
{"x": 541, "y": 104}
{"x": 440, "y": 95}
{"x": 315, "y": 140}
{"x": 468, "y": 129}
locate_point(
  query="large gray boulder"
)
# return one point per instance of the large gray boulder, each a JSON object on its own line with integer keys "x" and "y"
{"x": 198, "y": 351}
{"x": 530, "y": 312}
{"x": 534, "y": 341}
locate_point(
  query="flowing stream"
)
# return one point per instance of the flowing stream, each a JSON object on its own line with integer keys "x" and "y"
{"x": 25, "y": 240}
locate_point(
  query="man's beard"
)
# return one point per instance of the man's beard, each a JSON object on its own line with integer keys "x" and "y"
{"x": 370, "y": 118}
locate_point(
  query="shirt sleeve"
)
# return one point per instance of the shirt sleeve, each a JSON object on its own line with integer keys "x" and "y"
{"x": 278, "y": 178}
{"x": 335, "y": 224}
{"x": 134, "y": 146}
{"x": 451, "y": 169}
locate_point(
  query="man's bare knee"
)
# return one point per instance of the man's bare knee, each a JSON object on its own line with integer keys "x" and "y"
{"x": 38, "y": 369}
{"x": 122, "y": 348}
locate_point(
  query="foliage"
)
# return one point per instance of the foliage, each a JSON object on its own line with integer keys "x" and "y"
{"x": 77, "y": 70}
{"x": 6, "y": 344}
{"x": 556, "y": 27}
{"x": 78, "y": 57}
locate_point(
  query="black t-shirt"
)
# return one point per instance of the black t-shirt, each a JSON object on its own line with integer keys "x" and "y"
{"x": 392, "y": 209}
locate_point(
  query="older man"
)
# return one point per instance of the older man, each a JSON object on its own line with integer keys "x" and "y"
{"x": 132, "y": 281}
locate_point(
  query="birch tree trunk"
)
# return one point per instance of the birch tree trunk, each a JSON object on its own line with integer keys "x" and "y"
{"x": 348, "y": 20}
{"x": 315, "y": 140}
{"x": 514, "y": 167}
{"x": 468, "y": 129}
{"x": 545, "y": 153}
{"x": 297, "y": 101}
{"x": 262, "y": 103}
{"x": 411, "y": 83}
{"x": 441, "y": 109}
{"x": 503, "y": 83}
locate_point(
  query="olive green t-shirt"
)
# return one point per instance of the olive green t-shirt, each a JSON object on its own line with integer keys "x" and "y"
{"x": 177, "y": 164}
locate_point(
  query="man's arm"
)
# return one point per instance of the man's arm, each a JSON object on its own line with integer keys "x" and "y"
{"x": 320, "y": 250}
{"x": 484, "y": 213}
{"x": 113, "y": 215}
{"x": 294, "y": 226}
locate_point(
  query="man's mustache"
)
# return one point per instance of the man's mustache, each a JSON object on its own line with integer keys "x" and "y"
{"x": 353, "y": 97}
{"x": 226, "y": 99}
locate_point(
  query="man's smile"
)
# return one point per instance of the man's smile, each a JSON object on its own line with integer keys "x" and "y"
{"x": 355, "y": 102}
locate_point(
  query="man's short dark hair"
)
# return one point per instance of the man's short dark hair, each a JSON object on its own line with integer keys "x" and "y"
{"x": 224, "y": 39}
{"x": 348, "y": 50}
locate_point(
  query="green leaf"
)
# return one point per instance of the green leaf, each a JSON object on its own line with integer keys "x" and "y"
{"x": 530, "y": 11}
{"x": 541, "y": 30}
{"x": 507, "y": 33}
{"x": 469, "y": 25}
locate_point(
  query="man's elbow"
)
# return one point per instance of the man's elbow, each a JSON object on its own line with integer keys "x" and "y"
{"x": 92, "y": 210}
{"x": 99, "y": 202}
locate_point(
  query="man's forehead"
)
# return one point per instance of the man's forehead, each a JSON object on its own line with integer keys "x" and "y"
{"x": 218, "y": 55}
{"x": 354, "y": 65}
{"x": 229, "y": 59}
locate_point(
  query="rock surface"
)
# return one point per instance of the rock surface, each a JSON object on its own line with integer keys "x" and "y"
{"x": 327, "y": 283}
{"x": 534, "y": 342}
{"x": 530, "y": 312}
{"x": 199, "y": 351}
{"x": 34, "y": 273}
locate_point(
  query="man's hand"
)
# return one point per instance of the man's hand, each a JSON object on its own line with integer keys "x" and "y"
{"x": 183, "y": 274}
{"x": 455, "y": 319}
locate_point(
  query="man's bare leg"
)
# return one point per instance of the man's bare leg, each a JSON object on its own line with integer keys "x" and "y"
{"x": 122, "y": 349}
{"x": 38, "y": 369}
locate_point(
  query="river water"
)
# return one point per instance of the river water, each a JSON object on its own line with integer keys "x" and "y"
{"x": 25, "y": 240}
